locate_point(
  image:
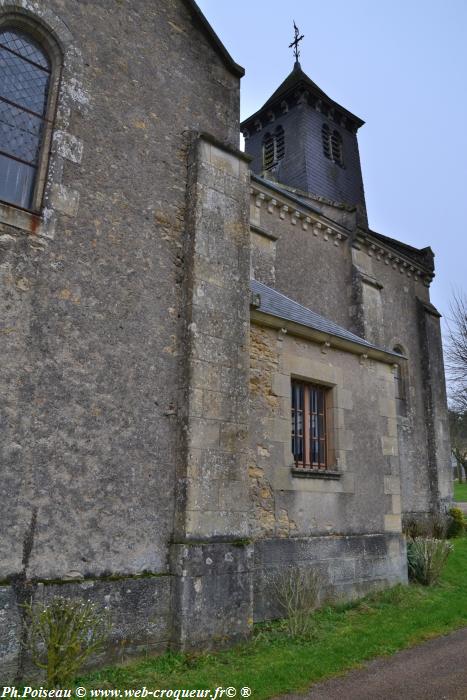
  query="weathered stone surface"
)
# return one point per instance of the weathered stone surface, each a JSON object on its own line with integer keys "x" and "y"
{"x": 349, "y": 566}
{"x": 139, "y": 610}
{"x": 214, "y": 593}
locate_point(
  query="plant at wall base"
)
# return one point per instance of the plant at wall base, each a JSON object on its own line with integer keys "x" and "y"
{"x": 297, "y": 592}
{"x": 456, "y": 522}
{"x": 63, "y": 634}
{"x": 435, "y": 527}
{"x": 426, "y": 558}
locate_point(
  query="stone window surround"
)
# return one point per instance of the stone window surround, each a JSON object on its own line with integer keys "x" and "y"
{"x": 51, "y": 49}
{"x": 342, "y": 480}
{"x": 67, "y": 95}
{"x": 338, "y": 403}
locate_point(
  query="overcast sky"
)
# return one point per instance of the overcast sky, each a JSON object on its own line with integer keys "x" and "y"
{"x": 401, "y": 65}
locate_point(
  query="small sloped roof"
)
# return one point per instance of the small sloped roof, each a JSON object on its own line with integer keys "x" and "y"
{"x": 421, "y": 256}
{"x": 276, "y": 304}
{"x": 296, "y": 79}
{"x": 217, "y": 44}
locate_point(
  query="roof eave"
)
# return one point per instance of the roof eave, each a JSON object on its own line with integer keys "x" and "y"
{"x": 268, "y": 104}
{"x": 297, "y": 329}
{"x": 234, "y": 67}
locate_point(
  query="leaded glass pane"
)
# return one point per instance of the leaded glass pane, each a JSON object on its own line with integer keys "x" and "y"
{"x": 24, "y": 46}
{"x": 20, "y": 133}
{"x": 16, "y": 182}
{"x": 22, "y": 83}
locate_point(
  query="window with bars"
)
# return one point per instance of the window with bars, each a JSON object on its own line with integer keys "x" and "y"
{"x": 273, "y": 148}
{"x": 25, "y": 73}
{"x": 332, "y": 145}
{"x": 309, "y": 438}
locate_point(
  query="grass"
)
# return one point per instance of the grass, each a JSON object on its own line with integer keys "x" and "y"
{"x": 460, "y": 491}
{"x": 345, "y": 636}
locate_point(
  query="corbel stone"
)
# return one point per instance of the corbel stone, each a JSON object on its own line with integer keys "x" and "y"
{"x": 283, "y": 211}
{"x": 272, "y": 204}
{"x": 305, "y": 223}
{"x": 260, "y": 197}
{"x": 294, "y": 217}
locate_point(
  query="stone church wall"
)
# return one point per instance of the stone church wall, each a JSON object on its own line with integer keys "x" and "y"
{"x": 397, "y": 313}
{"x": 319, "y": 521}
{"x": 92, "y": 335}
{"x": 310, "y": 264}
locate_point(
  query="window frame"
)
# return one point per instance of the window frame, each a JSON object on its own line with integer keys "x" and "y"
{"x": 306, "y": 390}
{"x": 275, "y": 143}
{"x": 400, "y": 384}
{"x": 333, "y": 145}
{"x": 33, "y": 29}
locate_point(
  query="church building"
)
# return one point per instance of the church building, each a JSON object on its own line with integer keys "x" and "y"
{"x": 212, "y": 367}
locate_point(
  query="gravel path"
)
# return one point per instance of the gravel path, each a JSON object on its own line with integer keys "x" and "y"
{"x": 435, "y": 670}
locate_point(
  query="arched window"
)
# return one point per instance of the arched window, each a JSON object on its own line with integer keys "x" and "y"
{"x": 25, "y": 122}
{"x": 273, "y": 148}
{"x": 332, "y": 145}
{"x": 399, "y": 386}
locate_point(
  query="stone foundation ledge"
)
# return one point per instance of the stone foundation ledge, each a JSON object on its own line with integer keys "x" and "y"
{"x": 139, "y": 608}
{"x": 350, "y": 566}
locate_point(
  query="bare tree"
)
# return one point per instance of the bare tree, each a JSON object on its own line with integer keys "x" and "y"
{"x": 456, "y": 352}
{"x": 458, "y": 433}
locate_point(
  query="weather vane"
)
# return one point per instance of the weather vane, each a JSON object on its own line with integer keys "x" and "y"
{"x": 295, "y": 42}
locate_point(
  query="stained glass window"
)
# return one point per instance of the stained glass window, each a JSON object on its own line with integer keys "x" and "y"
{"x": 24, "y": 86}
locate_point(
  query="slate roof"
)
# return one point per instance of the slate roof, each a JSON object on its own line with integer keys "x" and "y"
{"x": 276, "y": 304}
{"x": 298, "y": 79}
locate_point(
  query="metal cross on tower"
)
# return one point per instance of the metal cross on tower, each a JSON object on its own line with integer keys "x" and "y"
{"x": 295, "y": 42}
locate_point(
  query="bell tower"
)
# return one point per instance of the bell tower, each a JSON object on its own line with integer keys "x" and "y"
{"x": 303, "y": 139}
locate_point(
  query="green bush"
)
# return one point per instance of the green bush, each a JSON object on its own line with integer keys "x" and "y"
{"x": 426, "y": 558}
{"x": 456, "y": 522}
{"x": 62, "y": 635}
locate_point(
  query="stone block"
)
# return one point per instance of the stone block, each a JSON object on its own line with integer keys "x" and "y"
{"x": 392, "y": 485}
{"x": 392, "y": 523}
{"x": 65, "y": 200}
{"x": 281, "y": 385}
{"x": 389, "y": 445}
{"x": 387, "y": 407}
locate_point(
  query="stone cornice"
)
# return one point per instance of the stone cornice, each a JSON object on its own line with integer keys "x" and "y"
{"x": 288, "y": 208}
{"x": 384, "y": 253}
{"x": 326, "y": 340}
